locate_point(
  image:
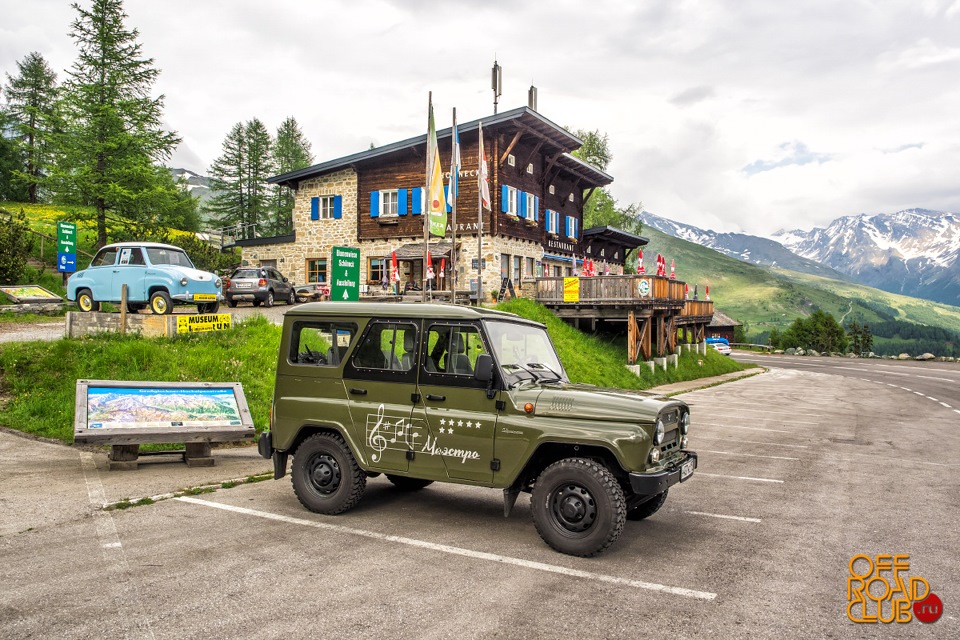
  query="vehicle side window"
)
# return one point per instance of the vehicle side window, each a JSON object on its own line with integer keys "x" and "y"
{"x": 388, "y": 346}
{"x": 136, "y": 256}
{"x": 321, "y": 343}
{"x": 105, "y": 258}
{"x": 453, "y": 349}
{"x": 131, "y": 255}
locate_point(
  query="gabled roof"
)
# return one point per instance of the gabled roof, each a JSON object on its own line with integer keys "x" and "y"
{"x": 613, "y": 235}
{"x": 556, "y": 140}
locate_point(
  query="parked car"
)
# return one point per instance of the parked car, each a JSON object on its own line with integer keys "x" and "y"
{"x": 157, "y": 275}
{"x": 313, "y": 292}
{"x": 721, "y": 347}
{"x": 259, "y": 285}
{"x": 443, "y": 393}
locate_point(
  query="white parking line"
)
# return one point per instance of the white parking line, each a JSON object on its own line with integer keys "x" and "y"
{"x": 946, "y": 405}
{"x": 931, "y": 398}
{"x": 718, "y": 475}
{"x": 477, "y": 555}
{"x": 749, "y": 455}
{"x": 732, "y": 426}
{"x": 725, "y": 517}
{"x": 772, "y": 444}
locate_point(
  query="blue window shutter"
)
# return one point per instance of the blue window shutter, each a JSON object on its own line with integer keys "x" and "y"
{"x": 402, "y": 201}
{"x": 374, "y": 204}
{"x": 315, "y": 208}
{"x": 546, "y": 221}
{"x": 536, "y": 208}
{"x": 337, "y": 207}
{"x": 417, "y": 197}
{"x": 504, "y": 198}
{"x": 566, "y": 225}
{"x": 446, "y": 196}
{"x": 522, "y": 203}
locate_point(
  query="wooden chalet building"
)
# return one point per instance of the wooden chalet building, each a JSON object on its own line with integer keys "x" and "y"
{"x": 373, "y": 200}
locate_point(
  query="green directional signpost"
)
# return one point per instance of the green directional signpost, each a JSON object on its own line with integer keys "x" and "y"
{"x": 66, "y": 248}
{"x": 345, "y": 275}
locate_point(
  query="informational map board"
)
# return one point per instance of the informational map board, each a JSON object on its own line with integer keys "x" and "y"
{"x": 112, "y": 412}
{"x": 30, "y": 293}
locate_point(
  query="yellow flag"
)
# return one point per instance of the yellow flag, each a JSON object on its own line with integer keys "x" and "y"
{"x": 436, "y": 200}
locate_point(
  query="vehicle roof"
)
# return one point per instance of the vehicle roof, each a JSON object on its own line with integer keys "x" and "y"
{"x": 404, "y": 310}
{"x": 152, "y": 245}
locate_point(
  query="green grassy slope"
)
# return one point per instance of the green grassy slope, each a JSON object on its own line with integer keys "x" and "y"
{"x": 765, "y": 298}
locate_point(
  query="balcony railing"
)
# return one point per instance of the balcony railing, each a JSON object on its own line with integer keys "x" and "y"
{"x": 626, "y": 289}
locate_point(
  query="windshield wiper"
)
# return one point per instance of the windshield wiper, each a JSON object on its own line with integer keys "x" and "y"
{"x": 540, "y": 365}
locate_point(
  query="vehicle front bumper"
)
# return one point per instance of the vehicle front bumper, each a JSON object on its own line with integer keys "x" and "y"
{"x": 188, "y": 298}
{"x": 651, "y": 484}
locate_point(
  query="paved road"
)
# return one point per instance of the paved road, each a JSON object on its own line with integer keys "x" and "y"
{"x": 800, "y": 471}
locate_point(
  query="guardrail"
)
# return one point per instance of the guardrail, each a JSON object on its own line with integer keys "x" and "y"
{"x": 750, "y": 346}
{"x": 614, "y": 289}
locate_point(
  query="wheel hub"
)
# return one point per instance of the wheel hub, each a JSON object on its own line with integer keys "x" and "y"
{"x": 574, "y": 508}
{"x": 324, "y": 474}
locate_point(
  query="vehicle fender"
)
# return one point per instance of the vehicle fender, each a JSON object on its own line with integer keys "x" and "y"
{"x": 312, "y": 427}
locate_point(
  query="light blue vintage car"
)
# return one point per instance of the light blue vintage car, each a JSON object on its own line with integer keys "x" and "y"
{"x": 157, "y": 275}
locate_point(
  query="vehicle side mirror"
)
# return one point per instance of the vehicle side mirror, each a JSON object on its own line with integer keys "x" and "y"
{"x": 285, "y": 279}
{"x": 484, "y": 368}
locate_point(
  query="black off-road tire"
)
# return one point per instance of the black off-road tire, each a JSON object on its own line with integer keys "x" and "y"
{"x": 648, "y": 508}
{"x": 85, "y": 301}
{"x": 326, "y": 476}
{"x": 302, "y": 299}
{"x": 268, "y": 301}
{"x": 578, "y": 507}
{"x": 160, "y": 303}
{"x": 404, "y": 483}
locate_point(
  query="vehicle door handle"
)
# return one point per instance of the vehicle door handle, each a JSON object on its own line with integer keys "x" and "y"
{"x": 431, "y": 396}
{"x": 358, "y": 392}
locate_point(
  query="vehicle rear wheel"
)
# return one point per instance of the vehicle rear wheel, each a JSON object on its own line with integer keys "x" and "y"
{"x": 302, "y": 298}
{"x": 292, "y": 297}
{"x": 85, "y": 301}
{"x": 326, "y": 477}
{"x": 208, "y": 307}
{"x": 160, "y": 303}
{"x": 408, "y": 484}
{"x": 134, "y": 307}
{"x": 231, "y": 303}
{"x": 648, "y": 508}
{"x": 268, "y": 302}
{"x": 578, "y": 507}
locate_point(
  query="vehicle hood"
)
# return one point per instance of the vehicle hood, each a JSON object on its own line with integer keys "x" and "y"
{"x": 587, "y": 402}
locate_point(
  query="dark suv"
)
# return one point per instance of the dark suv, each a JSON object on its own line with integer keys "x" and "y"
{"x": 428, "y": 392}
{"x": 259, "y": 285}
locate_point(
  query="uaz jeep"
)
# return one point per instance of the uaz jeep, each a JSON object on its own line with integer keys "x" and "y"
{"x": 426, "y": 392}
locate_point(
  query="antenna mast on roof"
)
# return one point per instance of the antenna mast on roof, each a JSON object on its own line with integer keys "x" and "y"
{"x": 532, "y": 98}
{"x": 496, "y": 83}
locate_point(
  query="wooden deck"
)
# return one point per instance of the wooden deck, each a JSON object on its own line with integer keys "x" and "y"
{"x": 653, "y": 307}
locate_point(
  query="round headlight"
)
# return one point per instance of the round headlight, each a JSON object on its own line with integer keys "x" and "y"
{"x": 658, "y": 434}
{"x": 685, "y": 423}
{"x": 654, "y": 456}
{"x": 183, "y": 282}
{"x": 218, "y": 283}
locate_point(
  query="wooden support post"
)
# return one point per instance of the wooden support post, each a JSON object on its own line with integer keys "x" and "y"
{"x": 646, "y": 345}
{"x": 632, "y": 338}
{"x": 123, "y": 309}
{"x": 672, "y": 334}
{"x": 123, "y": 457}
{"x": 198, "y": 454}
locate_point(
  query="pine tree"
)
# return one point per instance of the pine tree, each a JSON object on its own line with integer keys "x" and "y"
{"x": 32, "y": 98}
{"x": 113, "y": 132}
{"x": 291, "y": 151}
{"x": 259, "y": 167}
{"x": 11, "y": 161}
{"x": 228, "y": 206}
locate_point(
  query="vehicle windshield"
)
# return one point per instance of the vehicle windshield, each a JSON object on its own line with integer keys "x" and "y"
{"x": 175, "y": 257}
{"x": 524, "y": 352}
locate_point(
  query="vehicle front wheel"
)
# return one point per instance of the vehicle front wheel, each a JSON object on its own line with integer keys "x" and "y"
{"x": 160, "y": 303}
{"x": 85, "y": 301}
{"x": 292, "y": 297}
{"x": 134, "y": 307}
{"x": 326, "y": 476}
{"x": 578, "y": 507}
{"x": 648, "y": 508}
{"x": 268, "y": 302}
{"x": 231, "y": 303}
{"x": 404, "y": 483}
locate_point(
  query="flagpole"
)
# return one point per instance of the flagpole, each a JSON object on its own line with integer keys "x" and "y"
{"x": 426, "y": 214}
{"x": 480, "y": 218}
{"x": 454, "y": 188}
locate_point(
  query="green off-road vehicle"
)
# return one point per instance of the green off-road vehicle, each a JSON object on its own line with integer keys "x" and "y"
{"x": 429, "y": 392}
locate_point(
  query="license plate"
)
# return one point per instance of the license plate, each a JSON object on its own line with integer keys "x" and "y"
{"x": 243, "y": 285}
{"x": 205, "y": 296}
{"x": 686, "y": 470}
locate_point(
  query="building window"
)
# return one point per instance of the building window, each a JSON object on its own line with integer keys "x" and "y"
{"x": 326, "y": 207}
{"x": 528, "y": 268}
{"x": 317, "y": 270}
{"x": 376, "y": 270}
{"x": 517, "y": 268}
{"x": 557, "y": 272}
{"x": 512, "y": 206}
{"x": 553, "y": 221}
{"x": 389, "y": 203}
{"x": 504, "y": 265}
{"x": 531, "y": 206}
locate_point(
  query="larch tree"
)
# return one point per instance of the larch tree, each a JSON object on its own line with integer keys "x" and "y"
{"x": 260, "y": 166}
{"x": 113, "y": 136}
{"x": 32, "y": 99}
{"x": 228, "y": 206}
{"x": 291, "y": 151}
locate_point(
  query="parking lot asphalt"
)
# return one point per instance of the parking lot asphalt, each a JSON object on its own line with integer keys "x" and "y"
{"x": 799, "y": 472}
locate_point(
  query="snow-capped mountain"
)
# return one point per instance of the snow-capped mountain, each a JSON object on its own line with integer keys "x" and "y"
{"x": 915, "y": 252}
{"x": 747, "y": 248}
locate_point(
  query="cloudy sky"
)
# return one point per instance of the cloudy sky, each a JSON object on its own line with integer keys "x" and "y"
{"x": 735, "y": 116}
